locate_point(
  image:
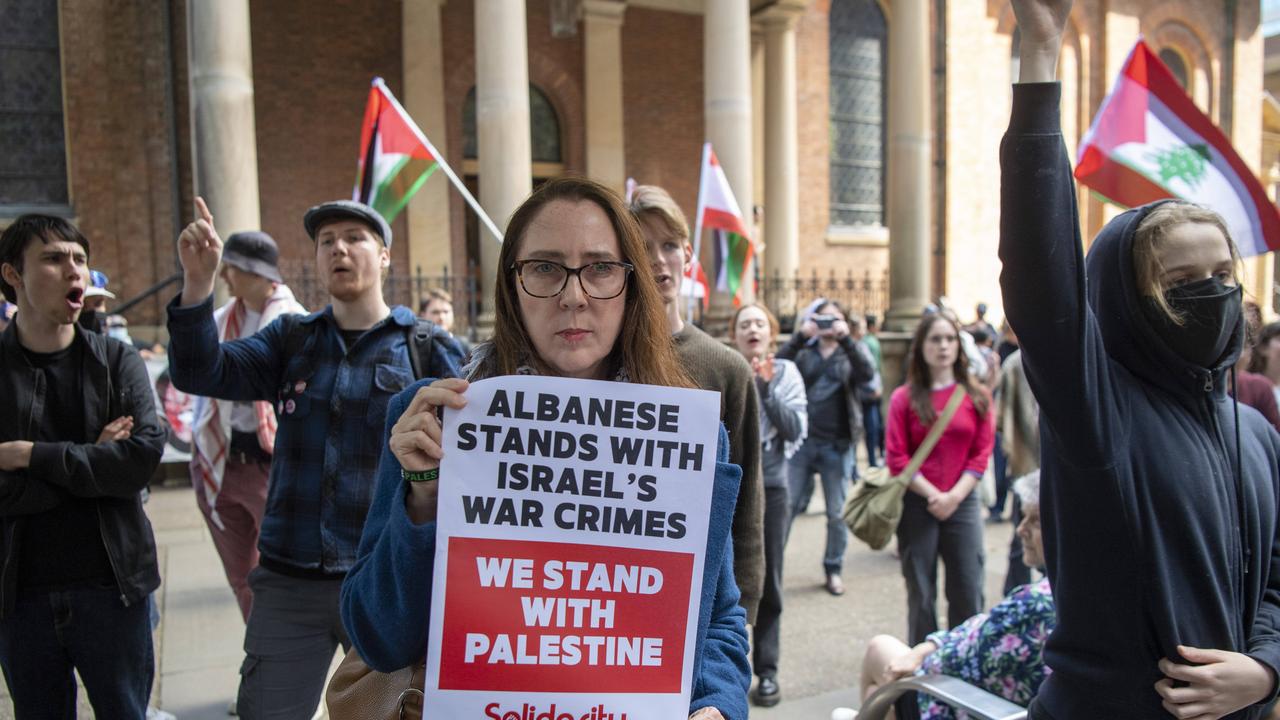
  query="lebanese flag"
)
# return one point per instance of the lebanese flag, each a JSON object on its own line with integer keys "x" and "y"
{"x": 719, "y": 212}
{"x": 695, "y": 283}
{"x": 394, "y": 158}
{"x": 1149, "y": 141}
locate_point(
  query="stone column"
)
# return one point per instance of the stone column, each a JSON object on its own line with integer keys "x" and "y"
{"x": 782, "y": 184}
{"x": 502, "y": 126}
{"x": 602, "y": 63}
{"x": 911, "y": 175}
{"x": 726, "y": 55}
{"x": 225, "y": 137}
{"x": 430, "y": 240}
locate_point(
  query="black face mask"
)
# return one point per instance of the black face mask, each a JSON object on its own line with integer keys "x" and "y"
{"x": 92, "y": 320}
{"x": 1210, "y": 310}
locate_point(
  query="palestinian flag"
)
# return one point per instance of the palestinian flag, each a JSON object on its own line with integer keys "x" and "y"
{"x": 718, "y": 212}
{"x": 1149, "y": 141}
{"x": 395, "y": 159}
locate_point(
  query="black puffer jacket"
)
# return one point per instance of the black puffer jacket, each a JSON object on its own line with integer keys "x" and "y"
{"x": 115, "y": 384}
{"x": 1154, "y": 536}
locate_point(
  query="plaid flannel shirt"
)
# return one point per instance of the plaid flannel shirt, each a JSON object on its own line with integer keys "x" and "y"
{"x": 331, "y": 403}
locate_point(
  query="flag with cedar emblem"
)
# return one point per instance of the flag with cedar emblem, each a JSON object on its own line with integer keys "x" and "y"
{"x": 1149, "y": 141}
{"x": 394, "y": 159}
{"x": 718, "y": 211}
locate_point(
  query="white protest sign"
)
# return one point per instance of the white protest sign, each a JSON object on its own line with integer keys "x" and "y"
{"x": 571, "y": 534}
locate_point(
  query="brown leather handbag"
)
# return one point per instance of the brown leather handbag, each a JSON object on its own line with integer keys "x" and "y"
{"x": 358, "y": 692}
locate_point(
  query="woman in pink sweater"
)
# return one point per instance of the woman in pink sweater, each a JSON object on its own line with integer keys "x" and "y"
{"x": 941, "y": 514}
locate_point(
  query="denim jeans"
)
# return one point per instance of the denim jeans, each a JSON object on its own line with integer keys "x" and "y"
{"x": 1003, "y": 481}
{"x": 87, "y": 629}
{"x": 873, "y": 431}
{"x": 834, "y": 465}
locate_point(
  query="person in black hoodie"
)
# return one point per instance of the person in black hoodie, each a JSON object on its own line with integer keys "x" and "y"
{"x": 1159, "y": 495}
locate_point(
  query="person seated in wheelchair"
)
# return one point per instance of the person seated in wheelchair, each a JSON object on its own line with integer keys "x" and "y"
{"x": 1000, "y": 651}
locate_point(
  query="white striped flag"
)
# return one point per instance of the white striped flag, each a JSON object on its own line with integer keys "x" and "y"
{"x": 719, "y": 212}
{"x": 1149, "y": 141}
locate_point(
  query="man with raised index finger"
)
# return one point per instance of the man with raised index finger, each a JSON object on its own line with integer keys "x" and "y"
{"x": 330, "y": 375}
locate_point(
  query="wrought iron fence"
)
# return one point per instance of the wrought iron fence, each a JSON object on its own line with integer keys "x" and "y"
{"x": 858, "y": 292}
{"x": 399, "y": 289}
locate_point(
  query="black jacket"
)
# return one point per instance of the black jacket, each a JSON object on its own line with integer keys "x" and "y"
{"x": 1154, "y": 536}
{"x": 115, "y": 384}
{"x": 852, "y": 366}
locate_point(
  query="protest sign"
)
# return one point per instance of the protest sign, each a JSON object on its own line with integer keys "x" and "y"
{"x": 571, "y": 534}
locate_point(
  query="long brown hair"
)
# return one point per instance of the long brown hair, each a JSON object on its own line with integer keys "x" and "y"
{"x": 644, "y": 348}
{"x": 919, "y": 380}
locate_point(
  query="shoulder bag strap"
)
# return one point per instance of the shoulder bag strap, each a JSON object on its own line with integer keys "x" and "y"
{"x": 935, "y": 434}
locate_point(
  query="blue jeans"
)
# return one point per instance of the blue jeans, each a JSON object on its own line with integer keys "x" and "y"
{"x": 834, "y": 465}
{"x": 873, "y": 431}
{"x": 90, "y": 630}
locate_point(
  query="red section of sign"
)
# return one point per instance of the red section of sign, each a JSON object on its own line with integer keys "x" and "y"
{"x": 488, "y": 645}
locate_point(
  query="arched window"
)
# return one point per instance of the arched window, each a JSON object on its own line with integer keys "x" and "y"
{"x": 858, "y": 66}
{"x": 1177, "y": 65}
{"x": 544, "y": 127}
{"x": 33, "y": 152}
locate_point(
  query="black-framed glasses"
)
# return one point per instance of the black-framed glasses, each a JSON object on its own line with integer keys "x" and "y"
{"x": 601, "y": 280}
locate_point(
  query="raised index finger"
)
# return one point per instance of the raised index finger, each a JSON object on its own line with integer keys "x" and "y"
{"x": 203, "y": 211}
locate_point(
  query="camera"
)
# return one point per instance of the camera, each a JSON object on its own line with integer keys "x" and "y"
{"x": 824, "y": 321}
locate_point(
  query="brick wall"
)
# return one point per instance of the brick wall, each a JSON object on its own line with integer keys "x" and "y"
{"x": 662, "y": 95}
{"x": 312, "y": 65}
{"x": 120, "y": 161}
{"x": 129, "y": 148}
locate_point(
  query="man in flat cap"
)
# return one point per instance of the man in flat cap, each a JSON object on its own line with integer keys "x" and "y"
{"x": 232, "y": 442}
{"x": 330, "y": 376}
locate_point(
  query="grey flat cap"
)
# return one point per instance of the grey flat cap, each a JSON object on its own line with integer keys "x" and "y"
{"x": 253, "y": 252}
{"x": 347, "y": 210}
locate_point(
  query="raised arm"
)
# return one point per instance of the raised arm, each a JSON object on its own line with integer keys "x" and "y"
{"x": 246, "y": 369}
{"x": 1043, "y": 275}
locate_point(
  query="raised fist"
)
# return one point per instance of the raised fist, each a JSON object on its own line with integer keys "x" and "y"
{"x": 1041, "y": 21}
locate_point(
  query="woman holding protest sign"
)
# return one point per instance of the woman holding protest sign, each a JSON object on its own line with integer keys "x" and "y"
{"x": 566, "y": 305}
{"x": 1160, "y": 492}
{"x": 784, "y": 421}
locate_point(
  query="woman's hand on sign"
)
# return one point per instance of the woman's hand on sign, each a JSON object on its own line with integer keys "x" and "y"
{"x": 416, "y": 441}
{"x": 415, "y": 438}
{"x": 707, "y": 713}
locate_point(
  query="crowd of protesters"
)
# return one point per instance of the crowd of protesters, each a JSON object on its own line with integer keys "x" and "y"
{"x": 1143, "y": 440}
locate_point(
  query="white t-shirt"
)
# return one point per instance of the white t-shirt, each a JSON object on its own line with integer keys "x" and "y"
{"x": 243, "y": 416}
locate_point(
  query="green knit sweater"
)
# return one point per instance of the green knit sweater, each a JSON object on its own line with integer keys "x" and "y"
{"x": 713, "y": 366}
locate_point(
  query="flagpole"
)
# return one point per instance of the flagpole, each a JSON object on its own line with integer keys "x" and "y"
{"x": 697, "y": 226}
{"x": 444, "y": 164}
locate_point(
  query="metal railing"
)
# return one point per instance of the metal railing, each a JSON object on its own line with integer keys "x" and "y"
{"x": 859, "y": 292}
{"x": 978, "y": 703}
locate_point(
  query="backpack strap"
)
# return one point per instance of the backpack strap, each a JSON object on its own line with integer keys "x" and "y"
{"x": 424, "y": 356}
{"x": 295, "y": 335}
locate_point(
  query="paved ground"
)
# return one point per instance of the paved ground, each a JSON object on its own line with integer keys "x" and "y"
{"x": 200, "y": 634}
